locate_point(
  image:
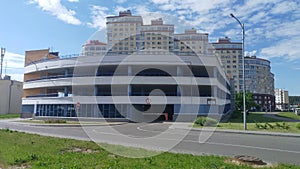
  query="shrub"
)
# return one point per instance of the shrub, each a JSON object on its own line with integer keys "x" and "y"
{"x": 298, "y": 126}
{"x": 206, "y": 121}
{"x": 270, "y": 125}
{"x": 236, "y": 114}
{"x": 285, "y": 126}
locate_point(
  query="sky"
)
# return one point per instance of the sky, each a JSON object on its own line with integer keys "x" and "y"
{"x": 272, "y": 28}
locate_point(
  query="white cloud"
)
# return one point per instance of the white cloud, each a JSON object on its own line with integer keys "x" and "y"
{"x": 55, "y": 8}
{"x": 287, "y": 48}
{"x": 160, "y": 1}
{"x": 117, "y": 9}
{"x": 284, "y": 7}
{"x": 13, "y": 65}
{"x": 73, "y": 0}
{"x": 121, "y": 1}
{"x": 99, "y": 14}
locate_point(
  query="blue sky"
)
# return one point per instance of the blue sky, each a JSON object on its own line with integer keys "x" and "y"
{"x": 272, "y": 27}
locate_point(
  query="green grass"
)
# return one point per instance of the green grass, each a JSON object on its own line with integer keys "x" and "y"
{"x": 252, "y": 118}
{"x": 34, "y": 151}
{"x": 252, "y": 126}
{"x": 236, "y": 123}
{"x": 290, "y": 115}
{"x": 9, "y": 116}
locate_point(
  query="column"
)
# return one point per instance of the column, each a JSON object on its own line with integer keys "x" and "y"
{"x": 129, "y": 70}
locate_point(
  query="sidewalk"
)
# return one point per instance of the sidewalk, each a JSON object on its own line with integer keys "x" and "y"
{"x": 188, "y": 126}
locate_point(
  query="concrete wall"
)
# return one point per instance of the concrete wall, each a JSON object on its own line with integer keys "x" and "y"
{"x": 11, "y": 94}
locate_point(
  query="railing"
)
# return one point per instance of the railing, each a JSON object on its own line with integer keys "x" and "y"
{"x": 70, "y": 56}
{"x": 43, "y": 95}
{"x": 154, "y": 94}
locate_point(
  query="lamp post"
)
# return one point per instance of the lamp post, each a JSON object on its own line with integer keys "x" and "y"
{"x": 243, "y": 62}
{"x": 2, "y": 56}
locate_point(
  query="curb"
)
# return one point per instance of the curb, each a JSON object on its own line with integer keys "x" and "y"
{"x": 75, "y": 125}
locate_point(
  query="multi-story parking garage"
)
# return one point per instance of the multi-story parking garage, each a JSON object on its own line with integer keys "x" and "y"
{"x": 139, "y": 86}
{"x": 146, "y": 73}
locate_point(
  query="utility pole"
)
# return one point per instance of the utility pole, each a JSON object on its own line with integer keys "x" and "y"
{"x": 2, "y": 56}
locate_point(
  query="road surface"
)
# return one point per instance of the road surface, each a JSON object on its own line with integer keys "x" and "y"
{"x": 160, "y": 136}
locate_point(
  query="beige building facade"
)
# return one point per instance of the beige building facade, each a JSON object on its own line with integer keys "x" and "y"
{"x": 11, "y": 94}
{"x": 94, "y": 47}
{"x": 123, "y": 33}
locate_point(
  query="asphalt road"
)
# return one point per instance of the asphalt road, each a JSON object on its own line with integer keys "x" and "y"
{"x": 160, "y": 136}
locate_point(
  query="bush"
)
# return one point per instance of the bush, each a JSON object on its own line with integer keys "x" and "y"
{"x": 206, "y": 121}
{"x": 298, "y": 126}
{"x": 236, "y": 114}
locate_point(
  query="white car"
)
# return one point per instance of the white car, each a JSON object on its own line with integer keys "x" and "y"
{"x": 297, "y": 111}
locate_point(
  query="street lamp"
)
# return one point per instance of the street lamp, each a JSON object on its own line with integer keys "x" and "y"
{"x": 243, "y": 59}
{"x": 2, "y": 56}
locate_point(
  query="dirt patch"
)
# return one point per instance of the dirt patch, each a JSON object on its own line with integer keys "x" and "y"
{"x": 250, "y": 161}
{"x": 23, "y": 166}
{"x": 82, "y": 150}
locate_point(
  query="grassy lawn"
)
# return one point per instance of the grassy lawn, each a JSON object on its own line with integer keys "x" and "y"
{"x": 290, "y": 115}
{"x": 9, "y": 116}
{"x": 20, "y": 150}
{"x": 254, "y": 119}
{"x": 252, "y": 126}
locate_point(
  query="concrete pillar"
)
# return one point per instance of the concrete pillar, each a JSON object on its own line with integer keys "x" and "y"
{"x": 129, "y": 70}
{"x": 95, "y": 90}
{"x": 129, "y": 90}
{"x": 66, "y": 72}
{"x": 215, "y": 91}
{"x": 215, "y": 70}
{"x": 66, "y": 91}
{"x": 179, "y": 91}
{"x": 179, "y": 71}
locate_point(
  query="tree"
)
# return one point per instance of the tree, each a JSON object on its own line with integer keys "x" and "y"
{"x": 250, "y": 103}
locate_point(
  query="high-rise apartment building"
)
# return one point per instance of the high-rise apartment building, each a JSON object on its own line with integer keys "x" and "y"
{"x": 127, "y": 34}
{"x": 282, "y": 99}
{"x": 191, "y": 42}
{"x": 230, "y": 55}
{"x": 158, "y": 36}
{"x": 258, "y": 77}
{"x": 123, "y": 33}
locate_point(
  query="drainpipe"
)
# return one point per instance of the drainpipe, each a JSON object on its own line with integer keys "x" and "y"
{"x": 9, "y": 97}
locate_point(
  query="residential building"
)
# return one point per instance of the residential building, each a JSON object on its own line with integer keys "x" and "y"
{"x": 11, "y": 94}
{"x": 230, "y": 55}
{"x": 157, "y": 36}
{"x": 127, "y": 82}
{"x": 123, "y": 33}
{"x": 258, "y": 77}
{"x": 282, "y": 99}
{"x": 94, "y": 47}
{"x": 191, "y": 42}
